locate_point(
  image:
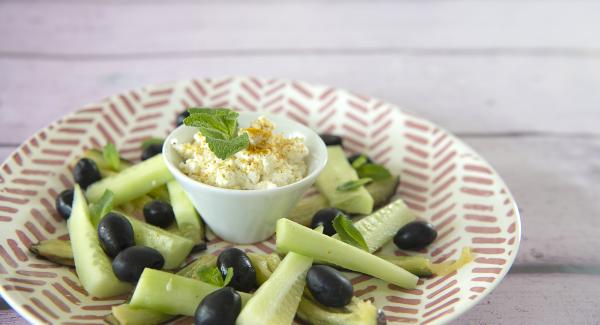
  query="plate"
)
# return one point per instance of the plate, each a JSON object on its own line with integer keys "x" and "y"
{"x": 443, "y": 181}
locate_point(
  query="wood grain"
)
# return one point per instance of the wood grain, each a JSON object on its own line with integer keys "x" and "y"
{"x": 556, "y": 182}
{"x": 554, "y": 299}
{"x": 97, "y": 28}
{"x": 478, "y": 94}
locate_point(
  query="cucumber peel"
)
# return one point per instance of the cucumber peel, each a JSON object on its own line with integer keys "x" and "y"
{"x": 172, "y": 294}
{"x": 132, "y": 182}
{"x": 291, "y": 236}
{"x": 338, "y": 171}
{"x": 417, "y": 265}
{"x": 93, "y": 267}
{"x": 357, "y": 312}
{"x": 276, "y": 301}
{"x": 187, "y": 218}
{"x": 54, "y": 250}
{"x": 126, "y": 314}
{"x": 380, "y": 227}
{"x": 383, "y": 190}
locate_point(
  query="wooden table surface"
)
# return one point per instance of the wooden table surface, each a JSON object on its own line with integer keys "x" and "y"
{"x": 517, "y": 80}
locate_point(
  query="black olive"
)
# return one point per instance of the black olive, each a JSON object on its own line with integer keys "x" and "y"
{"x": 159, "y": 213}
{"x": 244, "y": 275}
{"x": 324, "y": 217}
{"x": 151, "y": 151}
{"x": 115, "y": 233}
{"x": 181, "y": 117}
{"x": 328, "y": 286}
{"x": 415, "y": 235}
{"x": 86, "y": 172}
{"x": 331, "y": 139}
{"x": 131, "y": 262}
{"x": 64, "y": 203}
{"x": 352, "y": 158}
{"x": 220, "y": 307}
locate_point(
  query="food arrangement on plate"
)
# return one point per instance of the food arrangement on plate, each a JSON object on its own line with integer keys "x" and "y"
{"x": 132, "y": 227}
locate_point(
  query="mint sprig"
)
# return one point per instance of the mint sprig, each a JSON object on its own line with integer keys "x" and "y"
{"x": 220, "y": 128}
{"x": 111, "y": 156}
{"x": 102, "y": 207}
{"x": 348, "y": 232}
{"x": 374, "y": 171}
{"x": 212, "y": 275}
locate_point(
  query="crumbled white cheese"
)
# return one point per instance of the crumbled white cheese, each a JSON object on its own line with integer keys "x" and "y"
{"x": 271, "y": 160}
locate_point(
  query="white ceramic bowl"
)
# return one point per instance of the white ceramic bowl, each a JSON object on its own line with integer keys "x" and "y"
{"x": 247, "y": 216}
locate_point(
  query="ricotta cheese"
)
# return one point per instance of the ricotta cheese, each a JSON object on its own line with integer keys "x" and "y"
{"x": 271, "y": 160}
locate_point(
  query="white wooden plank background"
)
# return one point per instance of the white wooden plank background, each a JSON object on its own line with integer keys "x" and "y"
{"x": 518, "y": 80}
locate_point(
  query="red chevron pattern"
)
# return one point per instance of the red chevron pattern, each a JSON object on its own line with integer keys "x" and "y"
{"x": 443, "y": 181}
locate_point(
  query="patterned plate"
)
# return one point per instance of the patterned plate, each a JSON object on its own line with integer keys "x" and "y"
{"x": 443, "y": 180}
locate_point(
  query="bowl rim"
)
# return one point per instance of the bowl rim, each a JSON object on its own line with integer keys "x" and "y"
{"x": 320, "y": 159}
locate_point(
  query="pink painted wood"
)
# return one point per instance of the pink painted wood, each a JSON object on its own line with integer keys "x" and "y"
{"x": 468, "y": 66}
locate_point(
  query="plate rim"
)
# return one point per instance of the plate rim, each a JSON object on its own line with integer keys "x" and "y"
{"x": 31, "y": 318}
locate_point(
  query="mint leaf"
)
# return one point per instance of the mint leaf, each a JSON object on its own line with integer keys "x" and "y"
{"x": 228, "y": 277}
{"x": 348, "y": 233}
{"x": 111, "y": 156}
{"x": 352, "y": 185}
{"x": 220, "y": 128}
{"x": 361, "y": 160}
{"x": 102, "y": 207}
{"x": 212, "y": 275}
{"x": 374, "y": 171}
{"x": 151, "y": 141}
{"x": 225, "y": 149}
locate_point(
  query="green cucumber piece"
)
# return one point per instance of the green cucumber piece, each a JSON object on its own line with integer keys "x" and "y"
{"x": 172, "y": 247}
{"x": 417, "y": 265}
{"x": 276, "y": 301}
{"x": 187, "y": 218}
{"x": 383, "y": 190}
{"x": 307, "y": 207}
{"x": 338, "y": 171}
{"x": 172, "y": 294}
{"x": 160, "y": 193}
{"x": 97, "y": 156}
{"x": 126, "y": 314}
{"x": 132, "y": 182}
{"x": 380, "y": 227}
{"x": 291, "y": 236}
{"x": 357, "y": 312}
{"x": 93, "y": 267}
{"x": 264, "y": 265}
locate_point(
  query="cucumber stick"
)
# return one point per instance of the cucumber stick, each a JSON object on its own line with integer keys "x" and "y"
{"x": 302, "y": 240}
{"x": 132, "y": 182}
{"x": 187, "y": 219}
{"x": 338, "y": 171}
{"x": 172, "y": 294}
{"x": 276, "y": 301}
{"x": 380, "y": 227}
{"x": 172, "y": 247}
{"x": 381, "y": 191}
{"x": 93, "y": 267}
